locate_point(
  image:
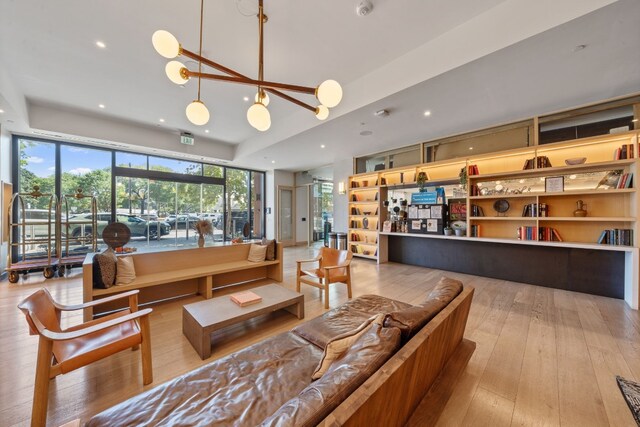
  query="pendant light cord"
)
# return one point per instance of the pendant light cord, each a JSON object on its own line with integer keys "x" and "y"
{"x": 200, "y": 51}
{"x": 260, "y": 54}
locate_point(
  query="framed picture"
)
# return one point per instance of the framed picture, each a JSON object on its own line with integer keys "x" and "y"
{"x": 554, "y": 184}
{"x": 386, "y": 227}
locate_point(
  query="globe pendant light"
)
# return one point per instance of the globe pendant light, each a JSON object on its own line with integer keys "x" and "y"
{"x": 198, "y": 113}
{"x": 165, "y": 44}
{"x": 329, "y": 93}
{"x": 173, "y": 69}
{"x": 322, "y": 112}
{"x": 259, "y": 117}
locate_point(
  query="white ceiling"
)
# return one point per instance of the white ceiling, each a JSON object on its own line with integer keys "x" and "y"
{"x": 405, "y": 56}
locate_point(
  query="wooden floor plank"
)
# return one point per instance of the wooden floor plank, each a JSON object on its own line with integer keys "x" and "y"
{"x": 488, "y": 410}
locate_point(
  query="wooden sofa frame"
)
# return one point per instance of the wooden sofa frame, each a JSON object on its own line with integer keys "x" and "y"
{"x": 169, "y": 274}
{"x": 390, "y": 396}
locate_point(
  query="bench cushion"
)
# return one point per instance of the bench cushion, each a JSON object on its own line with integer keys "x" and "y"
{"x": 346, "y": 318}
{"x": 344, "y": 376}
{"x": 236, "y": 390}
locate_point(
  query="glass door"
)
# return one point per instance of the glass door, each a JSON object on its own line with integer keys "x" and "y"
{"x": 286, "y": 216}
{"x": 321, "y": 209}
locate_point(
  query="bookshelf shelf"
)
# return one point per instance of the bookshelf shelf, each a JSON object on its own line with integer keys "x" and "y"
{"x": 587, "y": 218}
{"x": 503, "y": 218}
{"x": 365, "y": 230}
{"x": 365, "y": 202}
{"x": 357, "y": 189}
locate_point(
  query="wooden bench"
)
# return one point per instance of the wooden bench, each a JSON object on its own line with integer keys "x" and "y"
{"x": 169, "y": 274}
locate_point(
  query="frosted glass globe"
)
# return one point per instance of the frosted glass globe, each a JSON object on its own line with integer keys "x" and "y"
{"x": 322, "y": 112}
{"x": 173, "y": 72}
{"x": 165, "y": 44}
{"x": 259, "y": 117}
{"x": 329, "y": 93}
{"x": 197, "y": 113}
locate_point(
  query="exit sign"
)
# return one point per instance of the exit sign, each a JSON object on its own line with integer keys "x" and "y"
{"x": 186, "y": 138}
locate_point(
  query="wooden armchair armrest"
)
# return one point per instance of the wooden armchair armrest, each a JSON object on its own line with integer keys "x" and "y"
{"x": 300, "y": 261}
{"x": 98, "y": 301}
{"x": 60, "y": 336}
{"x": 333, "y": 267}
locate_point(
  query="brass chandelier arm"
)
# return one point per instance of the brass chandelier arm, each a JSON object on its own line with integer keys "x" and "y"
{"x": 248, "y": 81}
{"x": 227, "y": 70}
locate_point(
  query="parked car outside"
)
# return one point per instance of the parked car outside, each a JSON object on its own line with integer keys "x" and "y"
{"x": 215, "y": 218}
{"x": 180, "y": 221}
{"x": 139, "y": 227}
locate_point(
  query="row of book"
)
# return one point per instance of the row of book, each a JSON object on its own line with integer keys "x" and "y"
{"x": 473, "y": 170}
{"x": 543, "y": 234}
{"x": 475, "y": 230}
{"x": 357, "y": 249}
{"x": 625, "y": 180}
{"x": 360, "y": 198}
{"x": 355, "y": 237}
{"x": 476, "y": 210}
{"x": 537, "y": 163}
{"x": 626, "y": 151}
{"x": 536, "y": 210}
{"x": 616, "y": 237}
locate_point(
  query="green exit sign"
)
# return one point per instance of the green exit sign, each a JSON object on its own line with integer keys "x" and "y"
{"x": 186, "y": 139}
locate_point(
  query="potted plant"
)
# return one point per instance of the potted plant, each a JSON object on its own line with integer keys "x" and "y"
{"x": 459, "y": 229}
{"x": 422, "y": 180}
{"x": 203, "y": 228}
{"x": 448, "y": 231}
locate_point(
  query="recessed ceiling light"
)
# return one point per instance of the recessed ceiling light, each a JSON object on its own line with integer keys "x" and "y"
{"x": 245, "y": 99}
{"x": 273, "y": 161}
{"x": 206, "y": 131}
{"x": 101, "y": 44}
{"x": 101, "y": 105}
{"x": 322, "y": 146}
{"x": 573, "y": 176}
{"x": 634, "y": 120}
{"x": 470, "y": 148}
{"x": 427, "y": 113}
{"x": 1, "y": 111}
{"x": 161, "y": 120}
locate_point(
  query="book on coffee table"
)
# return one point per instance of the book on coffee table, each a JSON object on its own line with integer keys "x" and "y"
{"x": 246, "y": 298}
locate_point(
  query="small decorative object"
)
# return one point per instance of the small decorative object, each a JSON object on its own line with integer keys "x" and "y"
{"x": 422, "y": 180}
{"x": 575, "y": 161}
{"x": 501, "y": 206}
{"x": 116, "y": 235}
{"x": 463, "y": 177}
{"x": 554, "y": 184}
{"x": 237, "y": 240}
{"x": 459, "y": 229}
{"x": 386, "y": 227}
{"x": 581, "y": 209}
{"x": 245, "y": 298}
{"x": 448, "y": 231}
{"x": 365, "y": 223}
{"x": 203, "y": 228}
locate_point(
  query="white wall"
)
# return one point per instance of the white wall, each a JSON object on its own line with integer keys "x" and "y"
{"x": 302, "y": 211}
{"x": 342, "y": 169}
{"x": 5, "y": 175}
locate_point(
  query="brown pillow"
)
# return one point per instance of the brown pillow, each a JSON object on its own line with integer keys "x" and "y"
{"x": 338, "y": 345}
{"x": 104, "y": 269}
{"x": 271, "y": 249}
{"x": 257, "y": 253}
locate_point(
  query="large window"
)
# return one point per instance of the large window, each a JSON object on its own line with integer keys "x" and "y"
{"x": 159, "y": 199}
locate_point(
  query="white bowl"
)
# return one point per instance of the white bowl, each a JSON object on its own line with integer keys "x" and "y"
{"x": 576, "y": 161}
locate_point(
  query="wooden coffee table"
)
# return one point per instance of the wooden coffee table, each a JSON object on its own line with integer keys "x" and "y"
{"x": 202, "y": 318}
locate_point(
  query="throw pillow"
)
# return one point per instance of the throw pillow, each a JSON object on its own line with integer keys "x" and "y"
{"x": 337, "y": 346}
{"x": 271, "y": 248}
{"x": 126, "y": 272}
{"x": 257, "y": 253}
{"x": 104, "y": 269}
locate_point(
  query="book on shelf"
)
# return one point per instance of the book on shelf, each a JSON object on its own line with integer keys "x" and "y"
{"x": 542, "y": 234}
{"x": 625, "y": 151}
{"x": 616, "y": 237}
{"x": 477, "y": 210}
{"x": 535, "y": 210}
{"x": 543, "y": 162}
{"x": 625, "y": 181}
{"x": 246, "y": 298}
{"x": 529, "y": 164}
{"x": 473, "y": 170}
{"x": 475, "y": 230}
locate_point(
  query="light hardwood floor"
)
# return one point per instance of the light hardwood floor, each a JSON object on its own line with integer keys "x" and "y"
{"x": 543, "y": 356}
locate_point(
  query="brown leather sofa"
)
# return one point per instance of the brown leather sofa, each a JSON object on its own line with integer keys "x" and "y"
{"x": 270, "y": 384}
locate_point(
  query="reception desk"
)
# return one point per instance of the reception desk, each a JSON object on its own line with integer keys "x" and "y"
{"x": 594, "y": 269}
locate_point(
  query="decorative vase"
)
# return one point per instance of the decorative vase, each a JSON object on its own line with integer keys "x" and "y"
{"x": 460, "y": 232}
{"x": 581, "y": 209}
{"x": 365, "y": 223}
{"x": 201, "y": 241}
{"x": 448, "y": 231}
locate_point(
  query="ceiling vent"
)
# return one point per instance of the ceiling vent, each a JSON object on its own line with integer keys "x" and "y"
{"x": 381, "y": 113}
{"x": 364, "y": 8}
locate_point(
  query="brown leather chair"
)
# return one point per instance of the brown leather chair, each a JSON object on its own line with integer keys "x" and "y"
{"x": 61, "y": 351}
{"x": 334, "y": 266}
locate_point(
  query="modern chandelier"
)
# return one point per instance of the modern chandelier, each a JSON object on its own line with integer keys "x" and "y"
{"x": 328, "y": 93}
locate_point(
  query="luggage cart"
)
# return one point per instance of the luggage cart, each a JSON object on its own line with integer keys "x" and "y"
{"x": 29, "y": 234}
{"x": 77, "y": 236}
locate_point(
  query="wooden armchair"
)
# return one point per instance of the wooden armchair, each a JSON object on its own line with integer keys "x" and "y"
{"x": 61, "y": 351}
{"x": 334, "y": 266}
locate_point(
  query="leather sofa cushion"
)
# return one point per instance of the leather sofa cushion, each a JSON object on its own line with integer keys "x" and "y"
{"x": 271, "y": 248}
{"x": 104, "y": 269}
{"x": 239, "y": 389}
{"x": 345, "y": 318}
{"x": 367, "y": 354}
{"x": 410, "y": 320}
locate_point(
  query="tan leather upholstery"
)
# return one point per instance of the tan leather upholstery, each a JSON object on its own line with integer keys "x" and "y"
{"x": 61, "y": 351}
{"x": 345, "y": 318}
{"x": 410, "y": 320}
{"x": 334, "y": 266}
